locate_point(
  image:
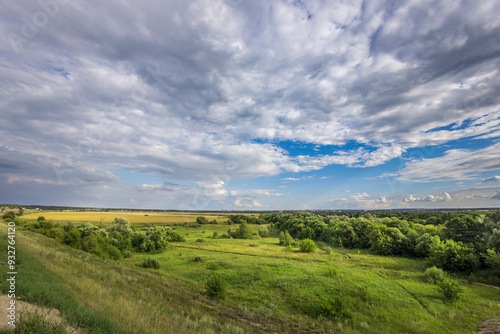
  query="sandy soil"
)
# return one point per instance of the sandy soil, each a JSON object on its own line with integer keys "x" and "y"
{"x": 51, "y": 314}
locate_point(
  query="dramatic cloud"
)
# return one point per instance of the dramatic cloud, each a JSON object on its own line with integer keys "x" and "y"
{"x": 200, "y": 94}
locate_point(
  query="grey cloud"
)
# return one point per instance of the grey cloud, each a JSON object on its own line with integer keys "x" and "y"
{"x": 495, "y": 178}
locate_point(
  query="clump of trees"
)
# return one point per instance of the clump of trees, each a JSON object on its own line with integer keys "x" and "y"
{"x": 454, "y": 241}
{"x": 114, "y": 242}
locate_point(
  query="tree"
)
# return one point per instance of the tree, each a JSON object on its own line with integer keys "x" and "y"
{"x": 452, "y": 256}
{"x": 285, "y": 239}
{"x": 492, "y": 230}
{"x": 20, "y": 211}
{"x": 465, "y": 229}
{"x": 244, "y": 231}
{"x": 387, "y": 240}
{"x": 121, "y": 226}
{"x": 202, "y": 220}
{"x": 263, "y": 231}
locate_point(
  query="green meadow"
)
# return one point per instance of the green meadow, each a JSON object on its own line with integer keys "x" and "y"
{"x": 268, "y": 288}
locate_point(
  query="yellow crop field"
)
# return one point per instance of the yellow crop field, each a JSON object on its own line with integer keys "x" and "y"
{"x": 133, "y": 217}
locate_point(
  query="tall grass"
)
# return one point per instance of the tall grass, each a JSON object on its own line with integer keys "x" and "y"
{"x": 37, "y": 285}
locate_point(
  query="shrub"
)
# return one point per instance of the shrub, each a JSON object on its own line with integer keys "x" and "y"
{"x": 121, "y": 226}
{"x": 150, "y": 263}
{"x": 214, "y": 236}
{"x": 216, "y": 287}
{"x": 450, "y": 289}
{"x": 213, "y": 266}
{"x": 452, "y": 255}
{"x": 40, "y": 218}
{"x": 127, "y": 254}
{"x": 285, "y": 239}
{"x": 334, "y": 306}
{"x": 307, "y": 246}
{"x": 434, "y": 275}
{"x": 244, "y": 231}
{"x": 331, "y": 272}
{"x": 263, "y": 231}
{"x": 202, "y": 220}
{"x": 9, "y": 216}
{"x": 329, "y": 250}
{"x": 197, "y": 259}
{"x": 34, "y": 322}
{"x": 73, "y": 239}
{"x": 200, "y": 240}
{"x": 173, "y": 236}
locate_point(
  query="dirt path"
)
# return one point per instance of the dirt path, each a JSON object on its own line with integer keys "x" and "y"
{"x": 490, "y": 326}
{"x": 51, "y": 314}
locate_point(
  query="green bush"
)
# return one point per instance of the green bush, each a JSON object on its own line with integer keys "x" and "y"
{"x": 331, "y": 272}
{"x": 450, "y": 289}
{"x": 150, "y": 263}
{"x": 200, "y": 240}
{"x": 40, "y": 218}
{"x": 127, "y": 254}
{"x": 213, "y": 266}
{"x": 492, "y": 259}
{"x": 434, "y": 275}
{"x": 10, "y": 216}
{"x": 202, "y": 220}
{"x": 307, "y": 246}
{"x": 333, "y": 307}
{"x": 263, "y": 231}
{"x": 285, "y": 239}
{"x": 215, "y": 287}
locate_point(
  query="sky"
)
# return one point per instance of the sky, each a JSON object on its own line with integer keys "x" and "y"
{"x": 250, "y": 104}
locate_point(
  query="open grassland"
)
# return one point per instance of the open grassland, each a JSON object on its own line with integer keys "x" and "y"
{"x": 269, "y": 289}
{"x": 137, "y": 217}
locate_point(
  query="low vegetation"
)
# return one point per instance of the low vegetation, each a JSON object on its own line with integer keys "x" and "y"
{"x": 283, "y": 272}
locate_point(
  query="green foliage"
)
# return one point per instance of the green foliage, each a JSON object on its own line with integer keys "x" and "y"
{"x": 329, "y": 250}
{"x": 215, "y": 287}
{"x": 450, "y": 289}
{"x": 73, "y": 238}
{"x": 10, "y": 216}
{"x": 434, "y": 275}
{"x": 155, "y": 240}
{"x": 121, "y": 226}
{"x": 40, "y": 218}
{"x": 423, "y": 244}
{"x": 150, "y": 263}
{"x": 244, "y": 231}
{"x": 213, "y": 266}
{"x": 307, "y": 246}
{"x": 285, "y": 239}
{"x": 137, "y": 240}
{"x": 173, "y": 236}
{"x": 200, "y": 240}
{"x": 452, "y": 256}
{"x": 197, "y": 259}
{"x": 215, "y": 235}
{"x": 492, "y": 230}
{"x": 331, "y": 272}
{"x": 333, "y": 306}
{"x": 202, "y": 220}
{"x": 263, "y": 231}
{"x": 386, "y": 240}
{"x": 467, "y": 230}
{"x": 492, "y": 259}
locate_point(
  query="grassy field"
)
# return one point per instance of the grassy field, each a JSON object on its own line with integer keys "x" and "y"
{"x": 269, "y": 289}
{"x": 132, "y": 216}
